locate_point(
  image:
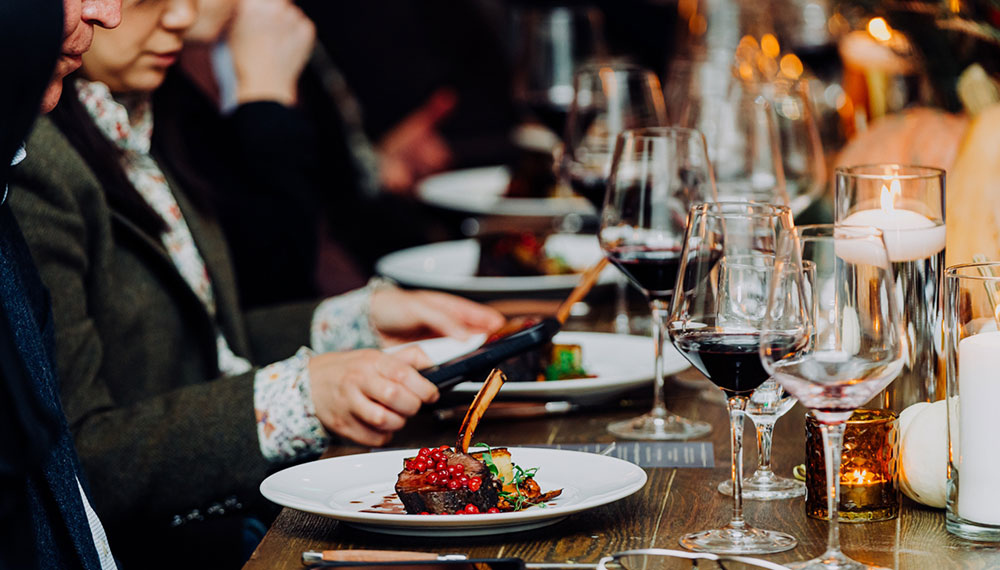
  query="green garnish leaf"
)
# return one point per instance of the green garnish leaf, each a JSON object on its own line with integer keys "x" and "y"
{"x": 488, "y": 459}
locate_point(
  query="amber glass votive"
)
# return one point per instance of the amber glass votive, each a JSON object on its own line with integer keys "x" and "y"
{"x": 869, "y": 468}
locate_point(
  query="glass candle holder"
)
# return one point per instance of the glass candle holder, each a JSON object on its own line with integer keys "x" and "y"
{"x": 869, "y": 468}
{"x": 907, "y": 204}
{"x": 972, "y": 351}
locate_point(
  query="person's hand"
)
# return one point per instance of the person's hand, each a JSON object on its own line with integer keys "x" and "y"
{"x": 271, "y": 41}
{"x": 404, "y": 316}
{"x": 414, "y": 148}
{"x": 366, "y": 395}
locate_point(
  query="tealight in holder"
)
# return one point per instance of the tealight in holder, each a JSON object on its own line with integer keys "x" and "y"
{"x": 869, "y": 468}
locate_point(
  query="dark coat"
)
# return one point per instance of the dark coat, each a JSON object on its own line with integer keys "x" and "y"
{"x": 42, "y": 519}
{"x": 159, "y": 432}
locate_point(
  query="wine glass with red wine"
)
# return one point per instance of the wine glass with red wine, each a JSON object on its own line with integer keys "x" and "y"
{"x": 608, "y": 98}
{"x": 716, "y": 320}
{"x": 550, "y": 43}
{"x": 847, "y": 348}
{"x": 656, "y": 175}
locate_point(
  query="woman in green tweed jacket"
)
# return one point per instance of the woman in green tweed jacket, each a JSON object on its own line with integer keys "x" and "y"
{"x": 179, "y": 402}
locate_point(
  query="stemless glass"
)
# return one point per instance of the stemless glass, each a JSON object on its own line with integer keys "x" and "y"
{"x": 656, "y": 175}
{"x": 848, "y": 341}
{"x": 768, "y": 403}
{"x": 716, "y": 323}
{"x": 608, "y": 98}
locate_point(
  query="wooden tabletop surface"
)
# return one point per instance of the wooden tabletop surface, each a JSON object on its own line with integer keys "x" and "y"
{"x": 674, "y": 501}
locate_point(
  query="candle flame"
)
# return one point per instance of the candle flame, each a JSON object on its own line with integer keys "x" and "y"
{"x": 879, "y": 29}
{"x": 890, "y": 194}
{"x": 861, "y": 476}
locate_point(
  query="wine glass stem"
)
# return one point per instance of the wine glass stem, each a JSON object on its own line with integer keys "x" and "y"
{"x": 833, "y": 443}
{"x": 622, "y": 325}
{"x": 765, "y": 433}
{"x": 737, "y": 406}
{"x": 660, "y": 313}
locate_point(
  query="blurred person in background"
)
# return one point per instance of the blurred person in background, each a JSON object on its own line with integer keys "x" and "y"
{"x": 175, "y": 419}
{"x": 264, "y": 127}
{"x": 46, "y": 520}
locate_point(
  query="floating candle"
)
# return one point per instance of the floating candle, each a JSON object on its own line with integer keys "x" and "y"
{"x": 908, "y": 235}
{"x": 979, "y": 467}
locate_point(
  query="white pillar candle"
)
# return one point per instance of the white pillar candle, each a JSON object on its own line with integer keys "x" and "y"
{"x": 979, "y": 456}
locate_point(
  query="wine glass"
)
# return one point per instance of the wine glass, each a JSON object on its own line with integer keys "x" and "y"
{"x": 657, "y": 173}
{"x": 608, "y": 98}
{"x": 762, "y": 135}
{"x": 550, "y": 44}
{"x": 768, "y": 403}
{"x": 716, "y": 321}
{"x": 847, "y": 346}
{"x": 803, "y": 159}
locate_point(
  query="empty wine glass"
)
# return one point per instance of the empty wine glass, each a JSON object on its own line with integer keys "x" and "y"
{"x": 762, "y": 135}
{"x": 803, "y": 160}
{"x": 848, "y": 344}
{"x": 608, "y": 98}
{"x": 656, "y": 175}
{"x": 717, "y": 321}
{"x": 768, "y": 403}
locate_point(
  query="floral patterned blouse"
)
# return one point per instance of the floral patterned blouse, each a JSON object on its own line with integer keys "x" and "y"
{"x": 287, "y": 427}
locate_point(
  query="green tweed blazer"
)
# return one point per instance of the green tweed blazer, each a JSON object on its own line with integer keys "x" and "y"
{"x": 159, "y": 432}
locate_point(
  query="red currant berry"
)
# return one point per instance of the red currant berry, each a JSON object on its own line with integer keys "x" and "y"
{"x": 459, "y": 468}
{"x": 475, "y": 483}
{"x": 409, "y": 465}
{"x": 420, "y": 465}
{"x": 493, "y": 510}
{"x": 424, "y": 452}
{"x": 472, "y": 509}
{"x": 454, "y": 485}
{"x": 441, "y": 467}
{"x": 463, "y": 479}
{"x": 433, "y": 478}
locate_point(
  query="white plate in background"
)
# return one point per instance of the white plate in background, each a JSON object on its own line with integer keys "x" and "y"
{"x": 451, "y": 266}
{"x": 618, "y": 362}
{"x": 481, "y": 191}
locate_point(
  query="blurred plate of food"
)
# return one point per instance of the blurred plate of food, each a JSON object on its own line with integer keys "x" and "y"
{"x": 501, "y": 263}
{"x": 593, "y": 365}
{"x": 493, "y": 191}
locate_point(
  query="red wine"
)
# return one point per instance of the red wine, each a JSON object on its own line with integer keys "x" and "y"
{"x": 550, "y": 114}
{"x": 590, "y": 186}
{"x": 654, "y": 270}
{"x": 730, "y": 360}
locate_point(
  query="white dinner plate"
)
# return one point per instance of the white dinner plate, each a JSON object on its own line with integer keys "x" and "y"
{"x": 619, "y": 362}
{"x": 343, "y": 487}
{"x": 451, "y": 266}
{"x": 481, "y": 191}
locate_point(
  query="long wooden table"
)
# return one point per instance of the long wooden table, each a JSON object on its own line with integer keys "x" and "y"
{"x": 673, "y": 502}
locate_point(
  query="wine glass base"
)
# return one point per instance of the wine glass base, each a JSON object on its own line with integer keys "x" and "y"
{"x": 832, "y": 561}
{"x": 766, "y": 489}
{"x": 653, "y": 427}
{"x": 730, "y": 540}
